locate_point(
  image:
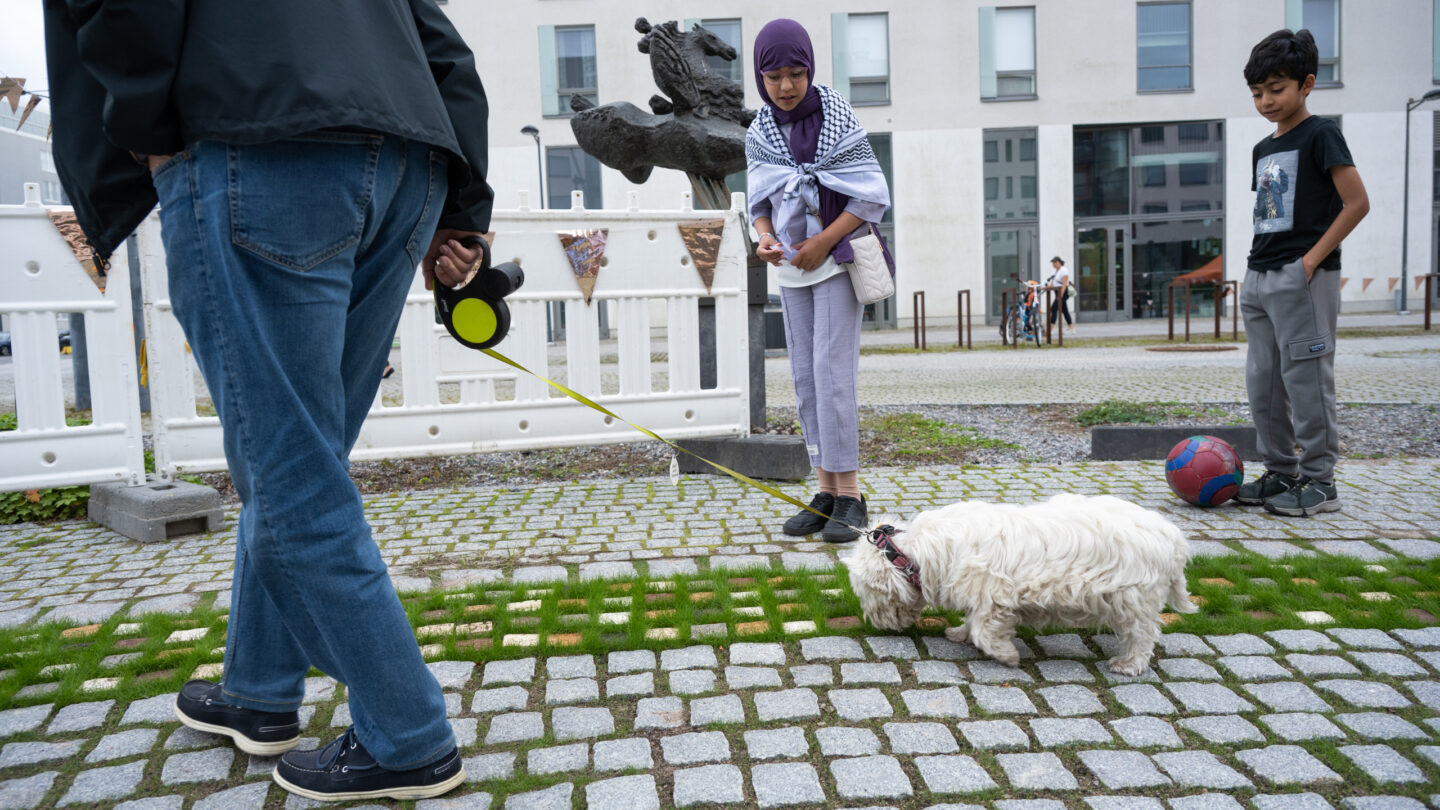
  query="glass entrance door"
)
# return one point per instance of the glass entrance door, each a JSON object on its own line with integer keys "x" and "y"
{"x": 1101, "y": 280}
{"x": 1010, "y": 258}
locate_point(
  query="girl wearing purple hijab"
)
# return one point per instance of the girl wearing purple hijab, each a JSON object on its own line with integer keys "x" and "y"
{"x": 813, "y": 182}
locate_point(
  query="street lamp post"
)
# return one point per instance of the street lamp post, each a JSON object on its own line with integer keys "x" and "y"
{"x": 1410, "y": 105}
{"x": 532, "y": 131}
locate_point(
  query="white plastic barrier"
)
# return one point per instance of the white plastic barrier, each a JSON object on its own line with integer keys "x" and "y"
{"x": 456, "y": 400}
{"x": 39, "y": 280}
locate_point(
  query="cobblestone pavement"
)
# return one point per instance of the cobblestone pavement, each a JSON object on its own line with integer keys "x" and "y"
{"x": 1374, "y": 370}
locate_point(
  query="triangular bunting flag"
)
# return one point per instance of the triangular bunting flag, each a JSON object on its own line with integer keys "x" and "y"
{"x": 1393, "y": 281}
{"x": 1419, "y": 281}
{"x": 584, "y": 249}
{"x": 1365, "y": 284}
{"x": 1343, "y": 282}
{"x": 702, "y": 239}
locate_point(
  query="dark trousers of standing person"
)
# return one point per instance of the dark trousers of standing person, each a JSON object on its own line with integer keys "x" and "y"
{"x": 1062, "y": 309}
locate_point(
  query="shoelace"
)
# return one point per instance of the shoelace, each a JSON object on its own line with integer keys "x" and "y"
{"x": 330, "y": 758}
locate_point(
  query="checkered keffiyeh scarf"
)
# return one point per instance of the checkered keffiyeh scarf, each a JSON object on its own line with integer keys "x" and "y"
{"x": 844, "y": 162}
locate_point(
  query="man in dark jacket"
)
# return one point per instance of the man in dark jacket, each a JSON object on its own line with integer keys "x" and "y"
{"x": 307, "y": 156}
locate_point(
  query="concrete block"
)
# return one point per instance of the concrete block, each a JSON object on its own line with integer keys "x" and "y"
{"x": 1154, "y": 442}
{"x": 758, "y": 456}
{"x": 156, "y": 510}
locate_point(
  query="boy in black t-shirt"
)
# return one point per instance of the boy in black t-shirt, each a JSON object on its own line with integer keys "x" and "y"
{"x": 1308, "y": 197}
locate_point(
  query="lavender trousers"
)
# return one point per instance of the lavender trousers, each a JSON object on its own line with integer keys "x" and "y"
{"x": 822, "y": 332}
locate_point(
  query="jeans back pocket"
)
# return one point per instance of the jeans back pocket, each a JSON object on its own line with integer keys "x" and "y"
{"x": 303, "y": 200}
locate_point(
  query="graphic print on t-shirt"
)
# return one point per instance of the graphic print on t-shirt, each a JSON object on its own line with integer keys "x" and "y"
{"x": 1275, "y": 191}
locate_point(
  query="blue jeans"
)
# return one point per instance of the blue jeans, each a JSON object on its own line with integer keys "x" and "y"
{"x": 289, "y": 264}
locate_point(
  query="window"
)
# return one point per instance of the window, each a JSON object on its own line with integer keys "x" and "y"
{"x": 1322, "y": 17}
{"x": 728, "y": 31}
{"x": 1163, "y": 47}
{"x": 47, "y": 162}
{"x": 1194, "y": 132}
{"x": 1010, "y": 184}
{"x": 1120, "y": 171}
{"x": 1007, "y": 52}
{"x": 567, "y": 67}
{"x": 50, "y": 191}
{"x": 1027, "y": 148}
{"x": 868, "y": 65}
{"x": 1152, "y": 134}
{"x": 992, "y": 188}
{"x": 569, "y": 169}
{"x": 1153, "y": 175}
{"x": 1027, "y": 186}
{"x": 1194, "y": 174}
{"x": 992, "y": 151}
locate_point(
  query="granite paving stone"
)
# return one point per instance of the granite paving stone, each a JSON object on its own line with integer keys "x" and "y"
{"x": 812, "y": 675}
{"x": 722, "y": 709}
{"x": 692, "y": 681}
{"x": 1142, "y": 698}
{"x": 1299, "y": 726}
{"x": 920, "y": 738}
{"x": 859, "y": 704}
{"x": 635, "y": 792}
{"x": 786, "y": 783}
{"x": 1365, "y": 694}
{"x": 743, "y": 677}
{"x": 1200, "y": 769}
{"x": 515, "y": 727}
{"x": 1254, "y": 668}
{"x": 705, "y": 746}
{"x": 28, "y": 753}
{"x": 575, "y": 690}
{"x": 1426, "y": 692}
{"x": 777, "y": 743}
{"x": 842, "y": 741}
{"x": 452, "y": 674}
{"x": 158, "y": 709}
{"x": 1029, "y": 804}
{"x": 947, "y": 650}
{"x": 123, "y": 744}
{"x": 1312, "y": 666}
{"x": 1391, "y": 664}
{"x": 1292, "y": 801}
{"x": 831, "y": 648}
{"x": 200, "y": 766}
{"x": 1366, "y": 638}
{"x": 1381, "y": 726}
{"x": 1225, "y": 729}
{"x": 1382, "y": 803}
{"x": 953, "y": 774}
{"x": 245, "y": 797}
{"x": 717, "y": 784}
{"x": 1065, "y": 671}
{"x": 870, "y": 777}
{"x": 1288, "y": 696}
{"x": 1143, "y": 731}
{"x": 696, "y": 657}
{"x": 1240, "y": 644}
{"x": 786, "y": 704}
{"x": 994, "y": 734}
{"x": 942, "y": 672}
{"x": 186, "y": 737}
{"x": 558, "y": 759}
{"x": 885, "y": 673}
{"x": 18, "y": 721}
{"x": 1119, "y": 770}
{"x": 556, "y": 797}
{"x": 1036, "y": 772}
{"x": 1286, "y": 765}
{"x": 1423, "y": 637}
{"x": 947, "y": 702}
{"x": 1382, "y": 763}
{"x": 892, "y": 647}
{"x": 1054, "y": 731}
{"x": 1070, "y": 700}
{"x": 570, "y": 666}
{"x": 26, "y": 792}
{"x": 573, "y": 723}
{"x": 1188, "y": 669}
{"x": 97, "y": 785}
{"x": 80, "y": 717}
{"x": 642, "y": 683}
{"x": 1002, "y": 700}
{"x": 521, "y": 671}
{"x": 623, "y": 661}
{"x": 660, "y": 712}
{"x": 623, "y": 755}
{"x": 1181, "y": 644}
{"x": 1208, "y": 698}
{"x": 1123, "y": 803}
{"x": 767, "y": 654}
{"x": 1064, "y": 645}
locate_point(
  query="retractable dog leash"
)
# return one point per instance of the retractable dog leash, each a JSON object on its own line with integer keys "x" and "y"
{"x": 477, "y": 316}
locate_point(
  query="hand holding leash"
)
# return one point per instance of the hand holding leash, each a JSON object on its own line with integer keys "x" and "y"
{"x": 475, "y": 312}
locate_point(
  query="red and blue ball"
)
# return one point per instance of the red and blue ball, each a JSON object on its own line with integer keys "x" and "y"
{"x": 1204, "y": 471}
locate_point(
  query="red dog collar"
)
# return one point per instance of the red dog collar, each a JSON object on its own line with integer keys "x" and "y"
{"x": 883, "y": 538}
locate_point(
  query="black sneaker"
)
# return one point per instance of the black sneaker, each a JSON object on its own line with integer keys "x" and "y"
{"x": 848, "y": 512}
{"x": 200, "y": 705}
{"x": 1309, "y": 497}
{"x": 345, "y": 770}
{"x": 807, "y": 522}
{"x": 1267, "y": 486}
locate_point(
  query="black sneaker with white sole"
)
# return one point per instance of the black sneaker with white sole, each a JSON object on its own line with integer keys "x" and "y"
{"x": 201, "y": 706}
{"x": 1309, "y": 497}
{"x": 1267, "y": 486}
{"x": 344, "y": 770}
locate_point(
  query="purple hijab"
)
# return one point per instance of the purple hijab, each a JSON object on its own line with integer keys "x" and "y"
{"x": 785, "y": 43}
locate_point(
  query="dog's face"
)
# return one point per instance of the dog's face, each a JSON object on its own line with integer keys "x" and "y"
{"x": 887, "y": 598}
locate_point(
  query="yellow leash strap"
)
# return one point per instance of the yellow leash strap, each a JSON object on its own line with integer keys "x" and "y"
{"x": 584, "y": 400}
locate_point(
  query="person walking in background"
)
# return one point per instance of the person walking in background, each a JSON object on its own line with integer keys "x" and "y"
{"x": 1063, "y": 297}
{"x": 813, "y": 181}
{"x": 1309, "y": 197}
{"x": 307, "y": 157}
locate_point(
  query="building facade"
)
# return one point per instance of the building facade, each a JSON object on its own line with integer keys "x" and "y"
{"x": 1113, "y": 133}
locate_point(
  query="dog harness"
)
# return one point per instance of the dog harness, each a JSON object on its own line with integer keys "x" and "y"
{"x": 883, "y": 538}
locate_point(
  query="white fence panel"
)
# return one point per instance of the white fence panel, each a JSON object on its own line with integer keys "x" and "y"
{"x": 455, "y": 400}
{"x": 39, "y": 280}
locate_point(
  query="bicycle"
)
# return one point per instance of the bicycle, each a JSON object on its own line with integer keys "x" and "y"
{"x": 1022, "y": 320}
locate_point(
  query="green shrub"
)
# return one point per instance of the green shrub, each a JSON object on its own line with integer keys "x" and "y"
{"x": 1123, "y": 411}
{"x": 39, "y": 505}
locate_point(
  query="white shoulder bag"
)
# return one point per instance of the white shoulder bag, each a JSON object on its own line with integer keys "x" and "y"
{"x": 869, "y": 273}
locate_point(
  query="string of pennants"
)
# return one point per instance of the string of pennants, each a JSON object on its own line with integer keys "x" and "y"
{"x": 585, "y": 250}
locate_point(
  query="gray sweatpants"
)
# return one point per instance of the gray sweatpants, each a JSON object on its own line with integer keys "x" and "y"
{"x": 822, "y": 331}
{"x": 1290, "y": 367}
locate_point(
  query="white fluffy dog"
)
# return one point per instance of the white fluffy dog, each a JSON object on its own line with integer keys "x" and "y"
{"x": 1072, "y": 561}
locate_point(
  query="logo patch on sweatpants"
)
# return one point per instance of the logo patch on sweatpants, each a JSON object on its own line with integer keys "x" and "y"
{"x": 1317, "y": 347}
